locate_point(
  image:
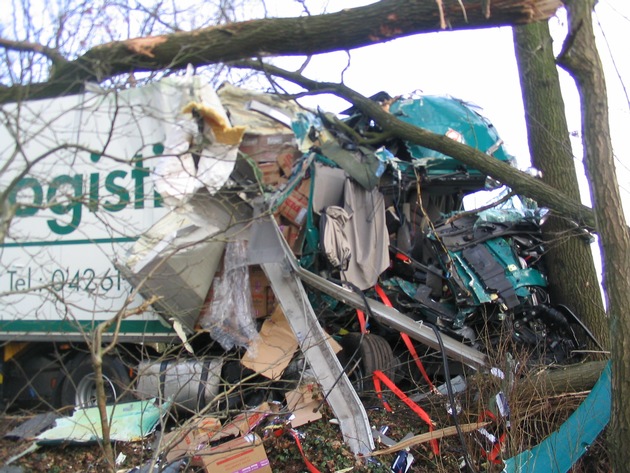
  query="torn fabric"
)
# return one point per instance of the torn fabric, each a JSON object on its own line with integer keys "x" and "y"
{"x": 333, "y": 237}
{"x": 367, "y": 235}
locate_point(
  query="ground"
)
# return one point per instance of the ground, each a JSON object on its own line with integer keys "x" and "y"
{"x": 323, "y": 444}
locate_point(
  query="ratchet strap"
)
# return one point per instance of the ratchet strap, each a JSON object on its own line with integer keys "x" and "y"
{"x": 407, "y": 340}
{"x": 379, "y": 377}
{"x": 311, "y": 468}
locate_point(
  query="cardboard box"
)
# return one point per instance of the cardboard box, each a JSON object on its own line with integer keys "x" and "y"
{"x": 274, "y": 349}
{"x": 291, "y": 234}
{"x": 305, "y": 187}
{"x": 266, "y": 148}
{"x": 263, "y": 298}
{"x": 188, "y": 440}
{"x": 294, "y": 208}
{"x": 286, "y": 159}
{"x": 270, "y": 173}
{"x": 243, "y": 454}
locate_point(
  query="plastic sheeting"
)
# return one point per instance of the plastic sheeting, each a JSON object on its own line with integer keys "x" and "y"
{"x": 229, "y": 318}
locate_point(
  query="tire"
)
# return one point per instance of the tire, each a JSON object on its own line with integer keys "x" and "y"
{"x": 78, "y": 386}
{"x": 364, "y": 354}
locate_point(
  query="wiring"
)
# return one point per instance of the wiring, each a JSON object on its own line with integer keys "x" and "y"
{"x": 451, "y": 398}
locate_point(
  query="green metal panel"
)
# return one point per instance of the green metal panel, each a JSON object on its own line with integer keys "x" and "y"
{"x": 451, "y": 117}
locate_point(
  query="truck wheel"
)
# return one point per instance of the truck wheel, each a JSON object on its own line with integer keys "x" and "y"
{"x": 364, "y": 354}
{"x": 78, "y": 387}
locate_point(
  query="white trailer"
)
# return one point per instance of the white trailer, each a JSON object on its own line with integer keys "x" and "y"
{"x": 77, "y": 193}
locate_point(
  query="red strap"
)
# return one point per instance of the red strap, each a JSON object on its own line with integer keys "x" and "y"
{"x": 380, "y": 376}
{"x": 493, "y": 454}
{"x": 407, "y": 340}
{"x": 402, "y": 257}
{"x": 416, "y": 358}
{"x": 383, "y": 296}
{"x": 308, "y": 464}
{"x": 362, "y": 322}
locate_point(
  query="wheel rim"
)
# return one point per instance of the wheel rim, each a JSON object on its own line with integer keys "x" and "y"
{"x": 357, "y": 377}
{"x": 86, "y": 391}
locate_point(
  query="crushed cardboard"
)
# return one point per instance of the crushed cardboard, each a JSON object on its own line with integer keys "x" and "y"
{"x": 201, "y": 433}
{"x": 305, "y": 402}
{"x": 186, "y": 440}
{"x": 273, "y": 351}
{"x": 243, "y": 454}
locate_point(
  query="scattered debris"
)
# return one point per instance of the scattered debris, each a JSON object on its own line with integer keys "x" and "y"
{"x": 128, "y": 422}
{"x": 318, "y": 230}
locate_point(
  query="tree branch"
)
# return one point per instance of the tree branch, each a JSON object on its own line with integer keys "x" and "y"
{"x": 377, "y": 23}
{"x": 26, "y": 46}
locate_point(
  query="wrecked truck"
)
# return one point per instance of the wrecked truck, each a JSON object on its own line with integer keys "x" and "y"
{"x": 194, "y": 229}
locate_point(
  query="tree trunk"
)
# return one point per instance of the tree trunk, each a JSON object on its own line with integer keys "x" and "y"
{"x": 571, "y": 271}
{"x": 581, "y": 59}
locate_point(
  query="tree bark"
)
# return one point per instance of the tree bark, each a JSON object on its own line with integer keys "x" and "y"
{"x": 581, "y": 59}
{"x": 571, "y": 271}
{"x": 566, "y": 379}
{"x": 350, "y": 28}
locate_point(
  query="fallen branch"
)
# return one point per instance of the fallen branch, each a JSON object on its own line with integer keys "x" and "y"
{"x": 423, "y": 438}
{"x": 558, "y": 380}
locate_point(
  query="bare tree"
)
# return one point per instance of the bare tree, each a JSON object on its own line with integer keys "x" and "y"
{"x": 48, "y": 59}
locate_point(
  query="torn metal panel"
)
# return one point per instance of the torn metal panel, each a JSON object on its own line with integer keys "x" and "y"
{"x": 336, "y": 386}
{"x": 128, "y": 422}
{"x": 177, "y": 258}
{"x": 395, "y": 320}
{"x": 33, "y": 426}
{"x": 267, "y": 246}
{"x": 200, "y": 151}
{"x": 455, "y": 119}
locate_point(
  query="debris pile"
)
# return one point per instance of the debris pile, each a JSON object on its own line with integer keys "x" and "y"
{"x": 324, "y": 254}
